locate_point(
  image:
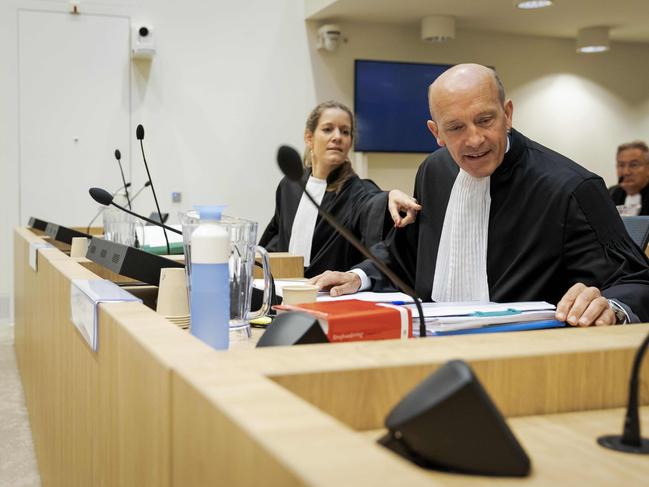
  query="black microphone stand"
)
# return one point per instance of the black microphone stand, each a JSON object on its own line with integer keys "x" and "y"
{"x": 630, "y": 441}
{"x": 118, "y": 156}
{"x": 155, "y": 198}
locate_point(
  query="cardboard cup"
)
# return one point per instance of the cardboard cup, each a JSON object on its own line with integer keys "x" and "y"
{"x": 306, "y": 293}
{"x": 79, "y": 247}
{"x": 172, "y": 292}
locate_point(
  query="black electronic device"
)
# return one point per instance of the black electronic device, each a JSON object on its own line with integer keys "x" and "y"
{"x": 37, "y": 224}
{"x": 63, "y": 234}
{"x": 128, "y": 261}
{"x": 139, "y": 134}
{"x": 293, "y": 328}
{"x": 448, "y": 422}
{"x": 631, "y": 440}
{"x": 290, "y": 163}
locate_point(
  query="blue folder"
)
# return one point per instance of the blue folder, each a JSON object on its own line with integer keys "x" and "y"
{"x": 530, "y": 325}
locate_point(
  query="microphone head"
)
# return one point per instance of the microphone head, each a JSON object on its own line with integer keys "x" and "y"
{"x": 128, "y": 185}
{"x": 101, "y": 196}
{"x": 118, "y": 154}
{"x": 290, "y": 162}
{"x": 139, "y": 132}
{"x": 147, "y": 184}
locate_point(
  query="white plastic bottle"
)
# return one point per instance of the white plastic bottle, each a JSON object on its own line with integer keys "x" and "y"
{"x": 210, "y": 283}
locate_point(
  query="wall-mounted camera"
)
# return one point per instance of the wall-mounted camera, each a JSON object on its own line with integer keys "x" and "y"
{"x": 142, "y": 42}
{"x": 329, "y": 37}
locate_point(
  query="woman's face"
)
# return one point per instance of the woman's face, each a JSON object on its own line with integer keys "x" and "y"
{"x": 330, "y": 142}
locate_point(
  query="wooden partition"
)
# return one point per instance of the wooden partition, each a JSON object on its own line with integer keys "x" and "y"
{"x": 154, "y": 406}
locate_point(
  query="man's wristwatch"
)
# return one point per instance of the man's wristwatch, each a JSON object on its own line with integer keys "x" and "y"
{"x": 621, "y": 317}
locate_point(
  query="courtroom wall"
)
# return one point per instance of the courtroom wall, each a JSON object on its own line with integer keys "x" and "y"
{"x": 580, "y": 105}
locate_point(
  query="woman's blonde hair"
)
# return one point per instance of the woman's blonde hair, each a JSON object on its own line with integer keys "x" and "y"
{"x": 340, "y": 175}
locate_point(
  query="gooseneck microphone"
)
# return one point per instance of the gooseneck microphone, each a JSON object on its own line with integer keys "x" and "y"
{"x": 139, "y": 134}
{"x": 630, "y": 441}
{"x": 290, "y": 163}
{"x": 118, "y": 156}
{"x": 101, "y": 210}
{"x": 137, "y": 193}
{"x": 103, "y": 197}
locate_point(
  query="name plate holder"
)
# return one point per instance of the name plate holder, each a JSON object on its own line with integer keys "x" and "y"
{"x": 85, "y": 296}
{"x": 33, "y": 253}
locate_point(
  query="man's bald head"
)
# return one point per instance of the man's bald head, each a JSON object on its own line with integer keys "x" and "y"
{"x": 465, "y": 76}
{"x": 471, "y": 117}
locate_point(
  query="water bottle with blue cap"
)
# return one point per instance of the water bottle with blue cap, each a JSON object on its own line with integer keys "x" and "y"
{"x": 210, "y": 283}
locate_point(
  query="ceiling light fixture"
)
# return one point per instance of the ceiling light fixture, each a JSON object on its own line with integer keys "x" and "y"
{"x": 532, "y": 4}
{"x": 437, "y": 28}
{"x": 593, "y": 39}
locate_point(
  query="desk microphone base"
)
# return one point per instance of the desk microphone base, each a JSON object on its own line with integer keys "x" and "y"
{"x": 614, "y": 442}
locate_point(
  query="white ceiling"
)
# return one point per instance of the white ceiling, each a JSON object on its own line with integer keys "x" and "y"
{"x": 628, "y": 19}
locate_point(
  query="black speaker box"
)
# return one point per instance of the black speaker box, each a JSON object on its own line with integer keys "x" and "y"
{"x": 37, "y": 224}
{"x": 292, "y": 328}
{"x": 56, "y": 232}
{"x": 128, "y": 261}
{"x": 448, "y": 422}
{"x": 64, "y": 234}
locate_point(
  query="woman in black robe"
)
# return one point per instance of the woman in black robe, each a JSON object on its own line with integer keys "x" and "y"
{"x": 358, "y": 204}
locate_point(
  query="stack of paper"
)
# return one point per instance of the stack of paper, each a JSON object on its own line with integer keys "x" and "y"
{"x": 444, "y": 318}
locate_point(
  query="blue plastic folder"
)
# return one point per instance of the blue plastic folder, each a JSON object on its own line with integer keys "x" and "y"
{"x": 530, "y": 325}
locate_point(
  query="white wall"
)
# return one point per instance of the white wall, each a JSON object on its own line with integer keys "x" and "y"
{"x": 233, "y": 80}
{"x": 580, "y": 105}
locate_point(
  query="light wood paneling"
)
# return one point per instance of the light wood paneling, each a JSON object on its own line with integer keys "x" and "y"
{"x": 58, "y": 382}
{"x": 283, "y": 266}
{"x": 538, "y": 372}
{"x": 234, "y": 427}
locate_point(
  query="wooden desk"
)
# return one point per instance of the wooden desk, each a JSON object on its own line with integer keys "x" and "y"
{"x": 154, "y": 406}
{"x": 562, "y": 449}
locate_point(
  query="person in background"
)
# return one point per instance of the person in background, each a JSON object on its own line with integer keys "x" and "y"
{"x": 618, "y": 174}
{"x": 632, "y": 192}
{"x": 358, "y": 204}
{"x": 505, "y": 219}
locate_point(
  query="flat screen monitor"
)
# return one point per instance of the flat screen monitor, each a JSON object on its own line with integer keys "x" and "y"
{"x": 391, "y": 105}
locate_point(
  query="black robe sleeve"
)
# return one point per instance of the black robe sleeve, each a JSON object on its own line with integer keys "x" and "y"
{"x": 361, "y": 207}
{"x": 372, "y": 220}
{"x": 398, "y": 251}
{"x": 270, "y": 238}
{"x": 599, "y": 252}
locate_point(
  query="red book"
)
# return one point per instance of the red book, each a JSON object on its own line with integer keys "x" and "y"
{"x": 353, "y": 320}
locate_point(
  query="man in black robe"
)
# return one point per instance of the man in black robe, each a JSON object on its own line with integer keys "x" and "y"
{"x": 553, "y": 233}
{"x": 632, "y": 192}
{"x": 359, "y": 205}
